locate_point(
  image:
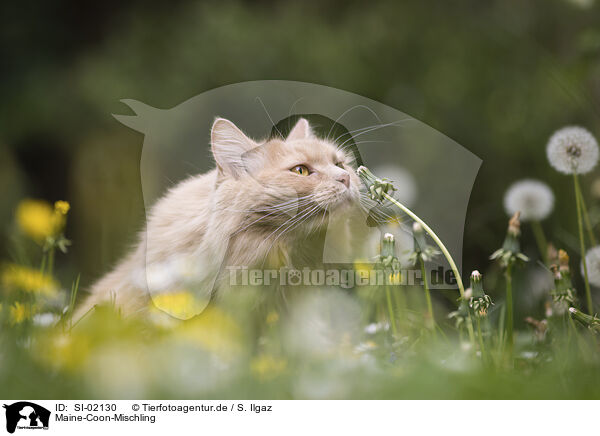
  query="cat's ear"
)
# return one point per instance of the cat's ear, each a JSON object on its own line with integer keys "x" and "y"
{"x": 228, "y": 145}
{"x": 300, "y": 131}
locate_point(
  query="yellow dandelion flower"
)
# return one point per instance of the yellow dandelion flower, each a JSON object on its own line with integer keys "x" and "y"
{"x": 181, "y": 304}
{"x": 62, "y": 207}
{"x": 35, "y": 219}
{"x": 39, "y": 220}
{"x": 19, "y": 313}
{"x": 28, "y": 279}
{"x": 267, "y": 367}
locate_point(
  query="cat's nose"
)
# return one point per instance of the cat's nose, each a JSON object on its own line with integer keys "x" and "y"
{"x": 345, "y": 179}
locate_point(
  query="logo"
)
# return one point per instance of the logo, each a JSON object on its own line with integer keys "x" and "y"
{"x": 26, "y": 415}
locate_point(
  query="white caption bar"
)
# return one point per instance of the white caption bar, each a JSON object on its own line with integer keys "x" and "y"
{"x": 23, "y": 417}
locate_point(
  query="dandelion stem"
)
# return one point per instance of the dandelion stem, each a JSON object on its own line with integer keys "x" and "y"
{"x": 586, "y": 217}
{"x": 509, "y": 309}
{"x": 427, "y": 296}
{"x": 481, "y": 347}
{"x": 588, "y": 292}
{"x": 540, "y": 239}
{"x": 445, "y": 251}
{"x": 391, "y": 310}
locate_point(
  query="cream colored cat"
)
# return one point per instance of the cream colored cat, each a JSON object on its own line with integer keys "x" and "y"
{"x": 265, "y": 202}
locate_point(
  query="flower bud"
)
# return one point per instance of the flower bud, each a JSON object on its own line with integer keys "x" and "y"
{"x": 480, "y": 302}
{"x": 377, "y": 187}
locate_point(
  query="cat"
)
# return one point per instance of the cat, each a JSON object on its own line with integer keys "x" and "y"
{"x": 266, "y": 203}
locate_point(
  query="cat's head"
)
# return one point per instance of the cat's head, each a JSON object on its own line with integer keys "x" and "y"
{"x": 302, "y": 167}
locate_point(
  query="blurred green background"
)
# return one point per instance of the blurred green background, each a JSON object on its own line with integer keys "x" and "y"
{"x": 497, "y": 76}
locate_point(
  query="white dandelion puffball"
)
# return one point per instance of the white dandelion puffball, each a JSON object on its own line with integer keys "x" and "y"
{"x": 572, "y": 150}
{"x": 592, "y": 260}
{"x": 403, "y": 181}
{"x": 534, "y": 199}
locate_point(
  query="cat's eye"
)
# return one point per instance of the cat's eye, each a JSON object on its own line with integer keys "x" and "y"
{"x": 301, "y": 170}
{"x": 339, "y": 165}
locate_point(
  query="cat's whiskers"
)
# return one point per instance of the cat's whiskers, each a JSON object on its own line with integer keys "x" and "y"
{"x": 291, "y": 219}
{"x": 352, "y": 137}
{"x": 372, "y": 127}
{"x": 284, "y": 211}
{"x": 287, "y": 226}
{"x": 324, "y": 215}
{"x": 269, "y": 116}
{"x": 350, "y": 132}
{"x": 294, "y": 105}
{"x": 267, "y": 208}
{"x": 367, "y": 141}
{"x": 347, "y": 111}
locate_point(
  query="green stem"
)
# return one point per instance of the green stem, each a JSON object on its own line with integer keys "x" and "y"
{"x": 501, "y": 331}
{"x": 391, "y": 310}
{"x": 481, "y": 347}
{"x": 540, "y": 239}
{"x": 445, "y": 251}
{"x": 588, "y": 292}
{"x": 586, "y": 216}
{"x": 427, "y": 296}
{"x": 509, "y": 309}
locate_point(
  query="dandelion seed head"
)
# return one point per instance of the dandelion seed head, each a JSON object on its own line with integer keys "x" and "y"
{"x": 572, "y": 150}
{"x": 592, "y": 260}
{"x": 534, "y": 199}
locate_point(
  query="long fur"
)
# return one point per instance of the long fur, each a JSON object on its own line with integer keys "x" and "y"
{"x": 251, "y": 210}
